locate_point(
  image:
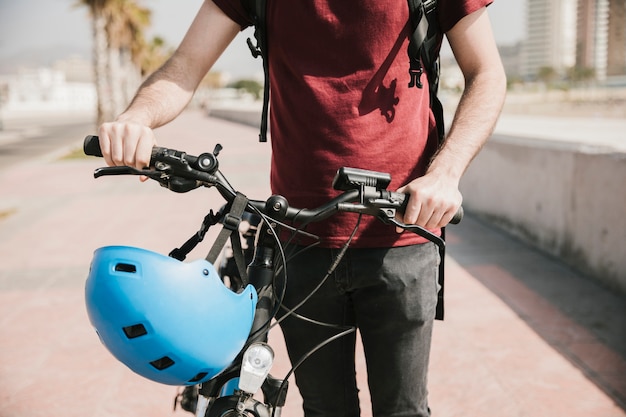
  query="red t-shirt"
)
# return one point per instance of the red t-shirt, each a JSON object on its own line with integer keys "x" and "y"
{"x": 340, "y": 97}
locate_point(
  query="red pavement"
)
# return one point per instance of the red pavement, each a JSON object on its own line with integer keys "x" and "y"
{"x": 504, "y": 349}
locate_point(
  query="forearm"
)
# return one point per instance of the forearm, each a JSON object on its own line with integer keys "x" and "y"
{"x": 473, "y": 123}
{"x": 161, "y": 98}
{"x": 168, "y": 91}
{"x": 129, "y": 139}
{"x": 435, "y": 197}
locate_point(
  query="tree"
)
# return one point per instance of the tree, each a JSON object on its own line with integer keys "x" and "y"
{"x": 99, "y": 56}
{"x": 126, "y": 22}
{"x": 580, "y": 75}
{"x": 118, "y": 49}
{"x": 547, "y": 75}
{"x": 154, "y": 55}
{"x": 252, "y": 87}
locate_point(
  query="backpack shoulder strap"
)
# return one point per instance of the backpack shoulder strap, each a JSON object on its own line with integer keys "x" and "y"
{"x": 424, "y": 43}
{"x": 423, "y": 51}
{"x": 257, "y": 11}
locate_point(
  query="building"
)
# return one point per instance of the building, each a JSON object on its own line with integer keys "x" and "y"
{"x": 582, "y": 34}
{"x": 616, "y": 43}
{"x": 551, "y": 36}
{"x": 44, "y": 92}
{"x": 592, "y": 39}
{"x": 511, "y": 60}
{"x": 601, "y": 40}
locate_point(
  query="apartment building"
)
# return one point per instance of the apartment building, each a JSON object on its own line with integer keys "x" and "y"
{"x": 588, "y": 34}
{"x": 616, "y": 44}
{"x": 602, "y": 37}
{"x": 551, "y": 36}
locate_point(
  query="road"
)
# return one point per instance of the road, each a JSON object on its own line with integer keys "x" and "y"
{"x": 20, "y": 142}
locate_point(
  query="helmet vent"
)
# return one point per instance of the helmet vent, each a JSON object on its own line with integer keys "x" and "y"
{"x": 198, "y": 377}
{"x": 163, "y": 363}
{"x": 130, "y": 268}
{"x": 135, "y": 331}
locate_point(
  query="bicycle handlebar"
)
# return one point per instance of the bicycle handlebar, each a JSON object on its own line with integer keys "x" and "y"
{"x": 363, "y": 191}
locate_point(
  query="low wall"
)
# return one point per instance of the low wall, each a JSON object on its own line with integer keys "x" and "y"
{"x": 250, "y": 117}
{"x": 566, "y": 199}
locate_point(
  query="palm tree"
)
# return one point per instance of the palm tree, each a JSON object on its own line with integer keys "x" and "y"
{"x": 547, "y": 75}
{"x": 118, "y": 45}
{"x": 155, "y": 55}
{"x": 126, "y": 23}
{"x": 99, "y": 56}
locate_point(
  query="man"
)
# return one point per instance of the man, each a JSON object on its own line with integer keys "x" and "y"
{"x": 340, "y": 97}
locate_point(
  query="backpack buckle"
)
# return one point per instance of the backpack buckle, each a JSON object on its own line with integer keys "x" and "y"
{"x": 416, "y": 77}
{"x": 255, "y": 50}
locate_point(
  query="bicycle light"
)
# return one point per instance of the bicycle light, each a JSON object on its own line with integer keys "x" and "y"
{"x": 354, "y": 178}
{"x": 256, "y": 364}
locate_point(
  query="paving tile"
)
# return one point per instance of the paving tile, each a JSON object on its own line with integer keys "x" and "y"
{"x": 509, "y": 347}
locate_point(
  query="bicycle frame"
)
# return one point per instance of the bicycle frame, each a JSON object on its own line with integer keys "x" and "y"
{"x": 362, "y": 192}
{"x": 222, "y": 393}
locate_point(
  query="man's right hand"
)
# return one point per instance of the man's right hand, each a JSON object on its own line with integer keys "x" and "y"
{"x": 162, "y": 96}
{"x": 126, "y": 143}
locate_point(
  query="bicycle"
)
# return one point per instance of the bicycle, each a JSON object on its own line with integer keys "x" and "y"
{"x": 254, "y": 278}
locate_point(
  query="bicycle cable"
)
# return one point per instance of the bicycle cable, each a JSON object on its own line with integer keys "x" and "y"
{"x": 292, "y": 311}
{"x": 282, "y": 386}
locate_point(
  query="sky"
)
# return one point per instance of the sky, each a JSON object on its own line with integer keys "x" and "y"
{"x": 47, "y": 26}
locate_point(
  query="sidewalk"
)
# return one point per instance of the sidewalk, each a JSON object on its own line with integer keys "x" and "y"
{"x": 523, "y": 335}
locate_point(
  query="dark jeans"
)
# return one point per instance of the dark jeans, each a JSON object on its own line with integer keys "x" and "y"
{"x": 391, "y": 295}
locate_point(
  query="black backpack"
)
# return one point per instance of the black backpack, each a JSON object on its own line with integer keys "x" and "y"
{"x": 423, "y": 52}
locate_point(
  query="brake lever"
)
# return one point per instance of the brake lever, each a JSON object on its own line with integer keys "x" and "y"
{"x": 387, "y": 216}
{"x": 176, "y": 184}
{"x": 124, "y": 170}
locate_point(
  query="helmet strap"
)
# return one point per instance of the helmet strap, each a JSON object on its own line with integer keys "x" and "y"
{"x": 230, "y": 229}
{"x": 181, "y": 253}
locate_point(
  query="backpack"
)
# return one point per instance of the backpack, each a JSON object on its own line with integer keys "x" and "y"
{"x": 423, "y": 52}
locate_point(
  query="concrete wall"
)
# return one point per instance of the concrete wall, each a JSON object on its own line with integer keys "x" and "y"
{"x": 567, "y": 199}
{"x": 250, "y": 117}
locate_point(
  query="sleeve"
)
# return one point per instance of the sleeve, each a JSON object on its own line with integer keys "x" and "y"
{"x": 451, "y": 11}
{"x": 236, "y": 11}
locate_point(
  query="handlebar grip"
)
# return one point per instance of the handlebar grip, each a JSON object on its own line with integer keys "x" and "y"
{"x": 91, "y": 146}
{"x": 458, "y": 216}
{"x": 403, "y": 200}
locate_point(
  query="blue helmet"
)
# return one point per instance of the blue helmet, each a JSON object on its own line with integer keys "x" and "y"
{"x": 172, "y": 322}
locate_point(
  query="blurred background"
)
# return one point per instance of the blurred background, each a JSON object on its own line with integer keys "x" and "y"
{"x": 543, "y": 239}
{"x": 66, "y": 62}
{"x": 48, "y": 50}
